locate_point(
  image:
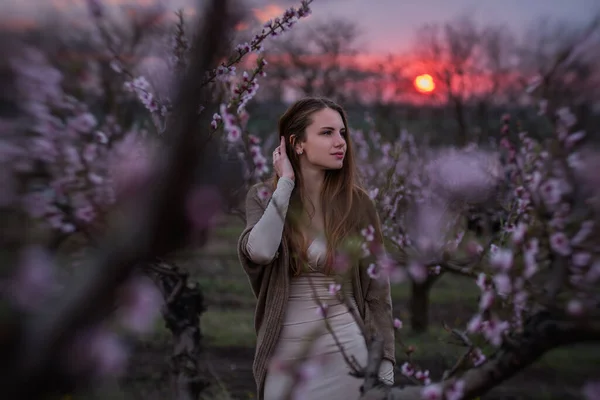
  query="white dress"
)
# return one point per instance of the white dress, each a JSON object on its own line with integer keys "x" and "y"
{"x": 326, "y": 373}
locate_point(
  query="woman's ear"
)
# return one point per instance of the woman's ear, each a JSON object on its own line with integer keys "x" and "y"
{"x": 295, "y": 145}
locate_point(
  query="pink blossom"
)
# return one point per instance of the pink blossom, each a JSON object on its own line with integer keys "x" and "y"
{"x": 486, "y": 300}
{"x": 494, "y": 329}
{"x": 98, "y": 351}
{"x": 518, "y": 233}
{"x": 386, "y": 264}
{"x": 203, "y": 205}
{"x": 464, "y": 175}
{"x": 533, "y": 84}
{"x": 560, "y": 243}
{"x": 502, "y": 283}
{"x": 432, "y": 392}
{"x": 83, "y": 123}
{"x": 455, "y": 391}
{"x": 308, "y": 370}
{"x": 551, "y": 191}
{"x": 85, "y": 214}
{"x": 520, "y": 299}
{"x": 373, "y": 193}
{"x": 482, "y": 281}
{"x": 322, "y": 310}
{"x": 583, "y": 233}
{"x": 478, "y": 357}
{"x": 407, "y": 369}
{"x": 529, "y": 255}
{"x": 141, "y": 304}
{"x": 566, "y": 117}
{"x": 397, "y": 323}
{"x": 421, "y": 375}
{"x": 373, "y": 271}
{"x": 502, "y": 259}
{"x": 417, "y": 271}
{"x": 368, "y": 233}
{"x": 305, "y": 372}
{"x": 591, "y": 391}
{"x": 366, "y": 252}
{"x": 593, "y": 273}
{"x": 474, "y": 324}
{"x": 131, "y": 166}
{"x": 575, "y": 308}
{"x": 581, "y": 259}
{"x": 574, "y": 138}
{"x": 474, "y": 248}
{"x": 34, "y": 279}
{"x": 264, "y": 193}
{"x": 334, "y": 288}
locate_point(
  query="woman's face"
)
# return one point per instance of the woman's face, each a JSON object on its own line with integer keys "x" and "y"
{"x": 325, "y": 144}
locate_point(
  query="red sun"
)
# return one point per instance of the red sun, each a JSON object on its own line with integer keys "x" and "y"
{"x": 424, "y": 83}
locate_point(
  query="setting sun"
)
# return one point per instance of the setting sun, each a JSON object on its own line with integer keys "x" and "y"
{"x": 424, "y": 83}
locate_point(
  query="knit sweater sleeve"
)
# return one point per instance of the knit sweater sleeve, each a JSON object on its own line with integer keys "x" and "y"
{"x": 378, "y": 302}
{"x": 265, "y": 236}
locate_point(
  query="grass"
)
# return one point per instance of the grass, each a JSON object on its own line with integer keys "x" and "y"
{"x": 228, "y": 323}
{"x": 225, "y": 328}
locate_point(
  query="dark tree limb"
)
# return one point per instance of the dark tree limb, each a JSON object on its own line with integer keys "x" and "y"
{"x": 155, "y": 226}
{"x": 542, "y": 332}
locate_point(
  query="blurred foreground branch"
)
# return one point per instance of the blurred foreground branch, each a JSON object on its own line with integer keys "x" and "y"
{"x": 152, "y": 223}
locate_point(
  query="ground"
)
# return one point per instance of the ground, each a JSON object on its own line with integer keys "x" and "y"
{"x": 229, "y": 338}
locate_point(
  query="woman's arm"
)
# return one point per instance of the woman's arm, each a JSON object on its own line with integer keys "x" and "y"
{"x": 265, "y": 237}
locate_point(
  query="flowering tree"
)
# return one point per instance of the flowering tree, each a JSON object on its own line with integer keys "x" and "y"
{"x": 70, "y": 172}
{"x": 538, "y": 277}
{"x": 538, "y": 274}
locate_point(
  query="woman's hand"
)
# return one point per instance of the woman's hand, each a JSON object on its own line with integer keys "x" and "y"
{"x": 281, "y": 162}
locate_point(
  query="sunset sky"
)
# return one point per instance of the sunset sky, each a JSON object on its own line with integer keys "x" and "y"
{"x": 388, "y": 25}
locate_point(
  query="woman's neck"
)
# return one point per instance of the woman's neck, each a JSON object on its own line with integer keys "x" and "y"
{"x": 312, "y": 183}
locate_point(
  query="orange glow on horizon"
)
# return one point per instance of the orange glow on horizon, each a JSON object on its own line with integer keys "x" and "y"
{"x": 269, "y": 12}
{"x": 424, "y": 83}
{"x": 241, "y": 26}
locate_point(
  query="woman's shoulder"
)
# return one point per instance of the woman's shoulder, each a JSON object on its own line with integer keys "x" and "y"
{"x": 260, "y": 193}
{"x": 261, "y": 186}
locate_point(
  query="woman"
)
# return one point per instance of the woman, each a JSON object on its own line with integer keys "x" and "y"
{"x": 288, "y": 252}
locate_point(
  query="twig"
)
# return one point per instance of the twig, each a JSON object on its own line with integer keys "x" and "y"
{"x": 463, "y": 359}
{"x": 374, "y": 361}
{"x": 355, "y": 367}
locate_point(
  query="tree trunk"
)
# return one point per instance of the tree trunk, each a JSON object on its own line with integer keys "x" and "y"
{"x": 459, "y": 110}
{"x": 419, "y": 306}
{"x": 419, "y": 303}
{"x": 184, "y": 304}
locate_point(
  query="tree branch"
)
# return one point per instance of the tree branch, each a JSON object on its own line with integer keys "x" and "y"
{"x": 156, "y": 226}
{"x": 542, "y": 332}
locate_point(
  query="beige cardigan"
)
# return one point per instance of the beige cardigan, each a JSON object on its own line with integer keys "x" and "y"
{"x": 270, "y": 284}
